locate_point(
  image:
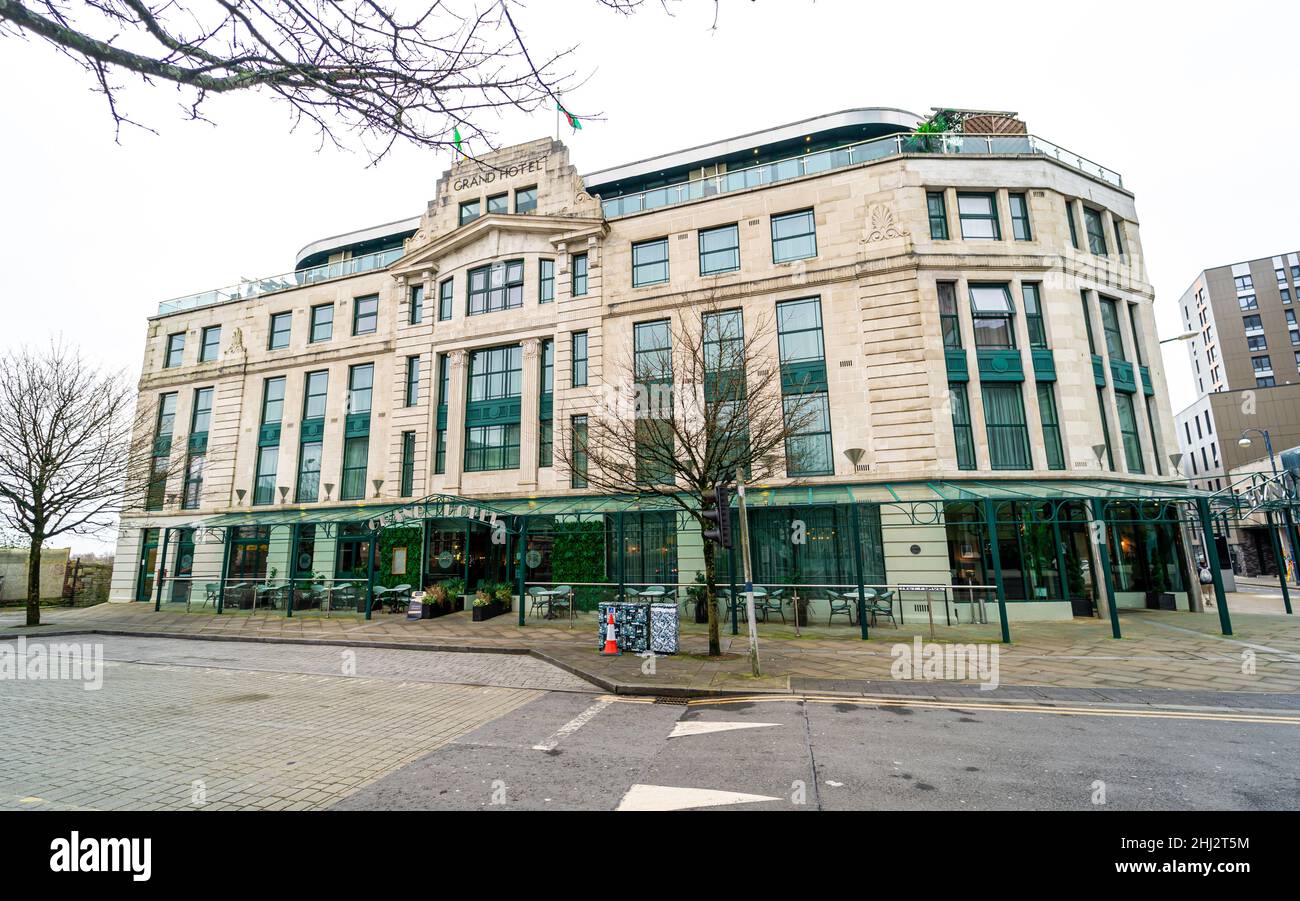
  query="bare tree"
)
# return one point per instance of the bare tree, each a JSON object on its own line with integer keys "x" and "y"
{"x": 73, "y": 454}
{"x": 362, "y": 66}
{"x": 701, "y": 399}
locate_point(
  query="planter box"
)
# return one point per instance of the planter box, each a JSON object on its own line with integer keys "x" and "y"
{"x": 486, "y": 612}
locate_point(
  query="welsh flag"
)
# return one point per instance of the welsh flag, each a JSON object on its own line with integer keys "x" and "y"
{"x": 572, "y": 119}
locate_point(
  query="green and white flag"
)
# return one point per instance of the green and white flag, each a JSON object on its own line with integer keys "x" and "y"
{"x": 572, "y": 119}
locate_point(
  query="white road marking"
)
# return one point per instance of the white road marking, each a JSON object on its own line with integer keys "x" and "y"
{"x": 696, "y": 727}
{"x": 668, "y": 797}
{"x": 573, "y": 725}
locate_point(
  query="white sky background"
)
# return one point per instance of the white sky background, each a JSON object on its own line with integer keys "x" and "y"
{"x": 1192, "y": 103}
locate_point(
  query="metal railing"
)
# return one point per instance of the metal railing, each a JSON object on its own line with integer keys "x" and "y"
{"x": 208, "y": 595}
{"x": 945, "y": 144}
{"x": 256, "y": 287}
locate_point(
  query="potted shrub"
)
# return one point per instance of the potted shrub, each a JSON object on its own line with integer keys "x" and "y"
{"x": 435, "y": 601}
{"x": 455, "y": 594}
{"x": 696, "y": 593}
{"x": 504, "y": 594}
{"x": 486, "y": 604}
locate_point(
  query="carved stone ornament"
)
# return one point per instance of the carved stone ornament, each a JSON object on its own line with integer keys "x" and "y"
{"x": 882, "y": 225}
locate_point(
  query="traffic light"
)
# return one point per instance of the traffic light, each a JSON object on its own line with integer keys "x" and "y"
{"x": 718, "y": 510}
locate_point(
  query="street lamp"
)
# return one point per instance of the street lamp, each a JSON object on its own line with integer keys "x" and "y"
{"x": 1185, "y": 336}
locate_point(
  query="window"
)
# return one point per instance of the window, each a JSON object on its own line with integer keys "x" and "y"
{"x": 200, "y": 421}
{"x": 273, "y": 401}
{"x": 417, "y": 304}
{"x": 356, "y": 450}
{"x": 948, "y": 320}
{"x": 1004, "y": 415}
{"x": 445, "y": 299}
{"x": 1244, "y": 283}
{"x": 808, "y": 448}
{"x": 498, "y": 203}
{"x": 1247, "y": 302}
{"x": 993, "y": 316}
{"x": 794, "y": 237}
{"x": 1092, "y": 224}
{"x": 1262, "y": 364}
{"x": 210, "y": 344}
{"x": 1051, "y": 426}
{"x": 175, "y": 350}
{"x": 309, "y": 472}
{"x": 579, "y": 264}
{"x": 545, "y": 281}
{"x": 978, "y": 214}
{"x": 365, "y": 315}
{"x": 1251, "y": 322}
{"x": 526, "y": 200}
{"x": 579, "y": 359}
{"x": 444, "y": 379}
{"x": 1119, "y": 235}
{"x": 361, "y": 381}
{"x": 578, "y": 432}
{"x": 163, "y": 431}
{"x": 799, "y": 331}
{"x": 469, "y": 211}
{"x": 937, "y": 207}
{"x": 268, "y": 461}
{"x": 313, "y": 404}
{"x": 724, "y": 342}
{"x": 495, "y": 374}
{"x": 1034, "y": 315}
{"x": 201, "y": 417}
{"x": 1074, "y": 229}
{"x": 1155, "y": 432}
{"x": 650, "y": 262}
{"x": 412, "y": 380}
{"x": 1139, "y": 344}
{"x": 407, "y": 486}
{"x": 963, "y": 436}
{"x": 440, "y": 455}
{"x": 444, "y": 392}
{"x": 1105, "y": 428}
{"x": 719, "y": 250}
{"x": 492, "y": 447}
{"x": 1020, "y": 217}
{"x": 546, "y": 433}
{"x": 653, "y": 375}
{"x": 548, "y": 366}
{"x": 1257, "y": 342}
{"x": 546, "y": 444}
{"x": 1128, "y": 430}
{"x": 268, "y": 453}
{"x": 322, "y": 322}
{"x": 496, "y": 287}
{"x": 1110, "y": 324}
{"x": 1087, "y": 323}
{"x": 806, "y": 405}
{"x": 281, "y": 329}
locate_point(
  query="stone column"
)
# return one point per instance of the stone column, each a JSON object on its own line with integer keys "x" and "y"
{"x": 529, "y": 410}
{"x": 456, "y": 420}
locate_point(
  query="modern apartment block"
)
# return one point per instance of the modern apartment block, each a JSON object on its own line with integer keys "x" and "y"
{"x": 970, "y": 313}
{"x": 1245, "y": 365}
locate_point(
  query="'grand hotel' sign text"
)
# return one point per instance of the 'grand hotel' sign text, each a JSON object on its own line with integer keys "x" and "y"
{"x": 488, "y": 176}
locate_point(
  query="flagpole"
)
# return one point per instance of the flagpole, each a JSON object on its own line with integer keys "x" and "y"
{"x": 557, "y": 120}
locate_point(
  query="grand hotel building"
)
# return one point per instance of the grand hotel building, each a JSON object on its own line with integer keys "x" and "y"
{"x": 973, "y": 308}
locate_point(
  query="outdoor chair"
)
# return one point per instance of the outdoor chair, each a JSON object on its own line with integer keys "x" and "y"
{"x": 561, "y": 598}
{"x": 770, "y": 603}
{"x": 882, "y": 605}
{"x": 210, "y": 592}
{"x": 399, "y": 598}
{"x": 537, "y": 599}
{"x": 846, "y": 605}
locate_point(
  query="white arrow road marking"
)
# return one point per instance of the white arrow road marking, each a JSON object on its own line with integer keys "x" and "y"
{"x": 699, "y": 727}
{"x": 573, "y": 725}
{"x": 668, "y": 797}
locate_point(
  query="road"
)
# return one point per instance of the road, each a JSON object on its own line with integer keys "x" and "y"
{"x": 184, "y": 724}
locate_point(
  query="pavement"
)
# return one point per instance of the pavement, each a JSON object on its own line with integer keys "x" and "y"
{"x": 1159, "y": 651}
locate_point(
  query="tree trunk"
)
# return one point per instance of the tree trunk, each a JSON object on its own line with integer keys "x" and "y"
{"x": 34, "y": 579}
{"x": 710, "y": 596}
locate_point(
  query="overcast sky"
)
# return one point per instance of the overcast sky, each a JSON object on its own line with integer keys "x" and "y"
{"x": 1194, "y": 105}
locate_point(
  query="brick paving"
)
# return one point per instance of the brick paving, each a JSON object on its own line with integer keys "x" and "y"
{"x": 1173, "y": 651}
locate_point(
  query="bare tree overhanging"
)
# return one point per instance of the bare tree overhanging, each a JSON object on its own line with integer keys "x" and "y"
{"x": 74, "y": 453}
{"x": 356, "y": 66}
{"x": 675, "y": 422}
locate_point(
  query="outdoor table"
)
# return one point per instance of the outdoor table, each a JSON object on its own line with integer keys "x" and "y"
{"x": 261, "y": 591}
{"x": 550, "y": 594}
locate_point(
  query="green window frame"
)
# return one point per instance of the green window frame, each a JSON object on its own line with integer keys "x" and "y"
{"x": 1087, "y": 322}
{"x": 1135, "y": 325}
{"x": 416, "y": 297}
{"x": 650, "y": 262}
{"x": 495, "y": 287}
{"x": 545, "y": 280}
{"x": 962, "y": 429}
{"x": 1074, "y": 228}
{"x": 579, "y": 267}
{"x": 210, "y": 343}
{"x": 936, "y": 205}
{"x": 322, "y": 323}
{"x": 273, "y": 400}
{"x": 498, "y": 204}
{"x": 1110, "y": 326}
{"x": 200, "y": 422}
{"x": 808, "y": 446}
{"x": 1033, "y": 300}
{"x": 526, "y": 199}
{"x": 1105, "y": 428}
{"x": 1129, "y": 435}
{"x": 1051, "y": 426}
{"x": 653, "y": 376}
{"x": 977, "y": 212}
{"x": 578, "y": 435}
{"x": 1096, "y": 231}
{"x": 365, "y": 314}
{"x": 993, "y": 315}
{"x": 309, "y": 457}
{"x": 268, "y": 463}
{"x": 412, "y": 380}
{"x": 315, "y": 394}
{"x": 489, "y": 448}
{"x": 446, "y": 299}
{"x": 719, "y": 249}
{"x": 1008, "y": 432}
{"x": 1020, "y": 229}
{"x": 361, "y": 385}
{"x": 799, "y": 330}
{"x": 1155, "y": 433}
{"x": 440, "y": 453}
{"x": 356, "y": 453}
{"x": 496, "y": 373}
{"x": 949, "y": 321}
{"x": 546, "y": 444}
{"x": 579, "y": 341}
{"x": 794, "y": 236}
{"x": 175, "y": 354}
{"x": 444, "y": 379}
{"x": 164, "y": 429}
{"x": 201, "y": 415}
{"x": 469, "y": 211}
{"x": 281, "y": 330}
{"x": 407, "y": 486}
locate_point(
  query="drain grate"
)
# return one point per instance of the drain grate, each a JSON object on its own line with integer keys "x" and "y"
{"x": 674, "y": 702}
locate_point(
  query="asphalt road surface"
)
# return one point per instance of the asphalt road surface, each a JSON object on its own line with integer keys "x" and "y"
{"x": 185, "y": 724}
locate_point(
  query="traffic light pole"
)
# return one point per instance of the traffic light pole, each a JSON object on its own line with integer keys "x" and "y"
{"x": 749, "y": 574}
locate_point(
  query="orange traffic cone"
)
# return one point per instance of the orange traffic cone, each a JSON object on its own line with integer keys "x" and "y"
{"x": 611, "y": 638}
